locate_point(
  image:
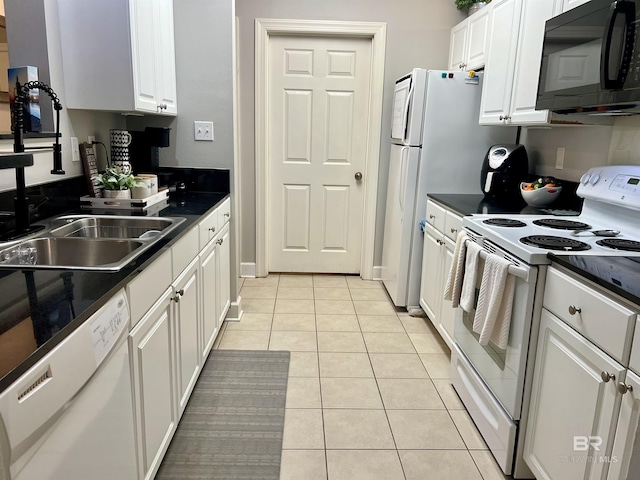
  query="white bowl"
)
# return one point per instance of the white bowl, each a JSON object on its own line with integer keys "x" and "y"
{"x": 540, "y": 197}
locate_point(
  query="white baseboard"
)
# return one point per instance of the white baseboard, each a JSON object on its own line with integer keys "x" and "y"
{"x": 377, "y": 273}
{"x": 235, "y": 311}
{"x": 248, "y": 270}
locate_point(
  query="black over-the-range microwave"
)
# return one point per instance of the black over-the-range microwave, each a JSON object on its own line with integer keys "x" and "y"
{"x": 591, "y": 59}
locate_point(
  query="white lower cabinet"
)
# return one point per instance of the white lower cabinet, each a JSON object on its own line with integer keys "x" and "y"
{"x": 186, "y": 309}
{"x": 574, "y": 405}
{"x": 625, "y": 458}
{"x": 172, "y": 339}
{"x": 152, "y": 364}
{"x": 437, "y": 257}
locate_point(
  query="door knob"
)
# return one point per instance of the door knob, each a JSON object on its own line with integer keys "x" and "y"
{"x": 358, "y": 176}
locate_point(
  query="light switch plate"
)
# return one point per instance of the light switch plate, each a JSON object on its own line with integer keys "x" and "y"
{"x": 203, "y": 131}
{"x": 75, "y": 149}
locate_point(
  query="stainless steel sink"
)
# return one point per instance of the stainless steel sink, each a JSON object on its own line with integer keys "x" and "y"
{"x": 72, "y": 253}
{"x": 107, "y": 226}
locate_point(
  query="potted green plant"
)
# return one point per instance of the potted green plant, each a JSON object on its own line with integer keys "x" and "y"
{"x": 116, "y": 183}
{"x": 473, "y": 5}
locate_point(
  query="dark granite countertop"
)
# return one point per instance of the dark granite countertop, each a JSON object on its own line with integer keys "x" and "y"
{"x": 471, "y": 204}
{"x": 40, "y": 308}
{"x": 619, "y": 275}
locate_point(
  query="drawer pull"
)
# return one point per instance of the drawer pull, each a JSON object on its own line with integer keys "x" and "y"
{"x": 219, "y": 241}
{"x": 606, "y": 376}
{"x": 454, "y": 230}
{"x": 624, "y": 388}
{"x": 432, "y": 216}
{"x": 573, "y": 310}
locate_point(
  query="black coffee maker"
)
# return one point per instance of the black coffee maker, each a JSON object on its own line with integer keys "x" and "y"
{"x": 504, "y": 167}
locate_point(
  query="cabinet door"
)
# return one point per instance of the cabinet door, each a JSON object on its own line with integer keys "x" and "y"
{"x": 429, "y": 283}
{"x": 152, "y": 361}
{"x": 458, "y": 46}
{"x": 223, "y": 274}
{"x": 525, "y": 83}
{"x": 498, "y": 77}
{"x": 186, "y": 299}
{"x": 573, "y": 409}
{"x": 208, "y": 260}
{"x": 569, "y": 4}
{"x": 143, "y": 54}
{"x": 478, "y": 38}
{"x": 165, "y": 58}
{"x": 625, "y": 458}
{"x": 447, "y": 312}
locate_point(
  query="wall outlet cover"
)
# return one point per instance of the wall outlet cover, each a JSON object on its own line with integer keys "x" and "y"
{"x": 75, "y": 149}
{"x": 560, "y": 159}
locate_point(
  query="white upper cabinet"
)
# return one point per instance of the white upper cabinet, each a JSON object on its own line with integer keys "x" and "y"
{"x": 118, "y": 55}
{"x": 513, "y": 64}
{"x": 498, "y": 76}
{"x": 470, "y": 41}
{"x": 569, "y": 4}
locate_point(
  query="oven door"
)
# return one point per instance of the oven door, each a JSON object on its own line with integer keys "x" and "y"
{"x": 502, "y": 370}
{"x": 588, "y": 59}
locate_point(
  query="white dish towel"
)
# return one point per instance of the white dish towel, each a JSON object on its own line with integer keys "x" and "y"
{"x": 468, "y": 293}
{"x": 495, "y": 301}
{"x": 456, "y": 272}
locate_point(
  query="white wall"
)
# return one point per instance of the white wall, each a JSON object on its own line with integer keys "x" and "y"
{"x": 417, "y": 36}
{"x": 585, "y": 147}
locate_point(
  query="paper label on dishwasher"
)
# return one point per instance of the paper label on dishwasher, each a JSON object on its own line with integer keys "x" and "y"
{"x": 106, "y": 328}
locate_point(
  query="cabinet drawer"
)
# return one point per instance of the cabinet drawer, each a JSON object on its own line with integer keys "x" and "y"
{"x": 452, "y": 225}
{"x": 435, "y": 215}
{"x": 208, "y": 227}
{"x": 184, "y": 251}
{"x": 602, "y": 320}
{"x": 224, "y": 213}
{"x": 144, "y": 290}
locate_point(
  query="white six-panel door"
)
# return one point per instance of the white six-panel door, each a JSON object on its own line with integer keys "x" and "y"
{"x": 318, "y": 115}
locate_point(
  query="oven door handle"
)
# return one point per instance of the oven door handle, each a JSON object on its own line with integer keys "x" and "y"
{"x": 628, "y": 9}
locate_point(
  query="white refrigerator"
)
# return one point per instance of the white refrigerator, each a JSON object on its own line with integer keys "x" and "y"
{"x": 437, "y": 146}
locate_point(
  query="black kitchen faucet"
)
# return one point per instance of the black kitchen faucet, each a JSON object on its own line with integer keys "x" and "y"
{"x": 19, "y": 160}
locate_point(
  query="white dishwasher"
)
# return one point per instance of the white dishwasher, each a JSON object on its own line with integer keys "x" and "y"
{"x": 71, "y": 415}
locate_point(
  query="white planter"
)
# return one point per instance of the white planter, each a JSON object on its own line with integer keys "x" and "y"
{"x": 476, "y": 6}
{"x": 120, "y": 194}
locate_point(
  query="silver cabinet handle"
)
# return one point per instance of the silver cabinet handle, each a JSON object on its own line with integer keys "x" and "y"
{"x": 431, "y": 217}
{"x": 624, "y": 388}
{"x": 212, "y": 229}
{"x": 505, "y": 117}
{"x": 358, "y": 176}
{"x": 454, "y": 230}
{"x": 606, "y": 376}
{"x": 219, "y": 241}
{"x": 573, "y": 310}
{"x": 179, "y": 293}
{"x": 227, "y": 215}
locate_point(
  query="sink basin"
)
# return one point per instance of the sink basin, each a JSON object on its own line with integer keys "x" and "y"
{"x": 72, "y": 253}
{"x": 107, "y": 226}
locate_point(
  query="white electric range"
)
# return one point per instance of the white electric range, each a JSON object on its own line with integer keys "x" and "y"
{"x": 492, "y": 382}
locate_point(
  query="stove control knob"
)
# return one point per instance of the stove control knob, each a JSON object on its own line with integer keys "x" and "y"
{"x": 585, "y": 178}
{"x": 595, "y": 178}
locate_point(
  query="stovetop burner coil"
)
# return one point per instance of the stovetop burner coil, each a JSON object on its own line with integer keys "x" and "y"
{"x": 620, "y": 244}
{"x": 561, "y": 224}
{"x": 551, "y": 242}
{"x": 504, "y": 222}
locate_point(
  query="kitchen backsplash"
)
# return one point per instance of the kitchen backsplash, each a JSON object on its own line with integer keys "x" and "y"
{"x": 585, "y": 147}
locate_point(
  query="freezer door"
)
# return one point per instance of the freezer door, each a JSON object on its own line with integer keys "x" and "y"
{"x": 408, "y": 108}
{"x": 399, "y": 221}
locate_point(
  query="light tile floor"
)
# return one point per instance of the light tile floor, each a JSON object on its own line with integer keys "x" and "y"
{"x": 368, "y": 394}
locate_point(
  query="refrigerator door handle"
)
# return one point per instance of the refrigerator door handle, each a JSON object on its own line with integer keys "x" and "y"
{"x": 406, "y": 110}
{"x": 402, "y": 178}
